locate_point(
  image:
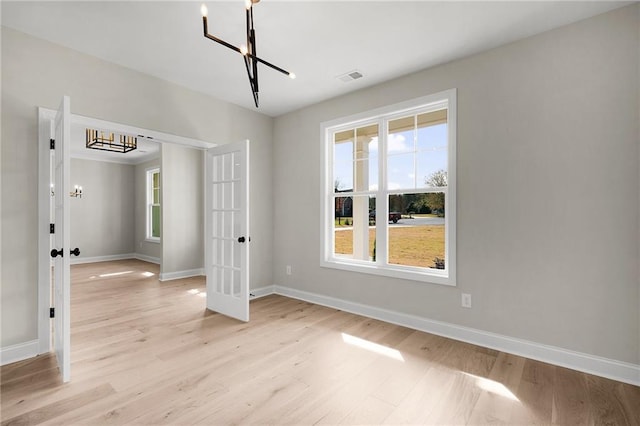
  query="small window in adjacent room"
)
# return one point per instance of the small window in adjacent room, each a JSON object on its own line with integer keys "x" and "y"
{"x": 389, "y": 190}
{"x": 153, "y": 205}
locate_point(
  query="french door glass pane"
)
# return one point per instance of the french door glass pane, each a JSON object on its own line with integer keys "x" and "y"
{"x": 418, "y": 239}
{"x": 228, "y": 166}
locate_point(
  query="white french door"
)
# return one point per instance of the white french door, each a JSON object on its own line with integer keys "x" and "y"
{"x": 61, "y": 250}
{"x": 227, "y": 229}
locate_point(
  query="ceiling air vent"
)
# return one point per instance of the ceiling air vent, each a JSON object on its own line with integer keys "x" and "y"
{"x": 350, "y": 76}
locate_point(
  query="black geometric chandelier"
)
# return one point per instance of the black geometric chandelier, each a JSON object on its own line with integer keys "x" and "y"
{"x": 98, "y": 140}
{"x": 247, "y": 51}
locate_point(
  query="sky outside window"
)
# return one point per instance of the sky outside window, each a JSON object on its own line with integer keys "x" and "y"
{"x": 413, "y": 155}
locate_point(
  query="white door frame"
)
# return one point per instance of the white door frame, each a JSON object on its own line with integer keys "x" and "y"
{"x": 45, "y": 127}
{"x": 62, "y": 239}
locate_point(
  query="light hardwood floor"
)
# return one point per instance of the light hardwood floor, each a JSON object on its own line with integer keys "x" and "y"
{"x": 145, "y": 352}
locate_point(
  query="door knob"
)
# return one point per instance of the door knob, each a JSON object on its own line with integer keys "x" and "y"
{"x": 241, "y": 240}
{"x": 75, "y": 251}
{"x": 55, "y": 253}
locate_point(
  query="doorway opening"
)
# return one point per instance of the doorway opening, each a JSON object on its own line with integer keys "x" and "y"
{"x": 176, "y": 147}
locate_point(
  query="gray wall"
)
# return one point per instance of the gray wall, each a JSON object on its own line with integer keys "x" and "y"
{"x": 181, "y": 185}
{"x": 548, "y": 191}
{"x": 142, "y": 246}
{"x": 548, "y": 174}
{"x": 102, "y": 221}
{"x": 110, "y": 92}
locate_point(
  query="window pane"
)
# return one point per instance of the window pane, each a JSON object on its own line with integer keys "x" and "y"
{"x": 432, "y": 137}
{"x": 155, "y": 221}
{"x": 366, "y": 175}
{"x": 431, "y": 168}
{"x": 355, "y": 159}
{"x": 437, "y": 179}
{"x": 156, "y": 180}
{"x": 354, "y": 227}
{"x": 401, "y": 171}
{"x": 343, "y": 163}
{"x": 156, "y": 196}
{"x": 401, "y": 135}
{"x": 418, "y": 239}
{"x": 366, "y": 156}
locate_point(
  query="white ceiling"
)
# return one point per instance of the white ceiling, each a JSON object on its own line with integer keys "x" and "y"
{"x": 317, "y": 40}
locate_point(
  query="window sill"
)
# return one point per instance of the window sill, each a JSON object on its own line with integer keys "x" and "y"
{"x": 393, "y": 272}
{"x": 153, "y": 240}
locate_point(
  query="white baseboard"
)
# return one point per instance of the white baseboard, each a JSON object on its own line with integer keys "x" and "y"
{"x": 15, "y": 353}
{"x": 599, "y": 366}
{"x": 81, "y": 260}
{"x": 257, "y": 293}
{"x": 146, "y": 258}
{"x": 168, "y": 276}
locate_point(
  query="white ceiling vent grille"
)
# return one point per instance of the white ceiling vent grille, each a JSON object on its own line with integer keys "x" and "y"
{"x": 350, "y": 76}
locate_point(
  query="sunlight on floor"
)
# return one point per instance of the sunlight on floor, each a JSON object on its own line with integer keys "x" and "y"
{"x": 113, "y": 274}
{"x": 148, "y": 274}
{"x": 492, "y": 386}
{"x": 373, "y": 347}
{"x": 197, "y": 292}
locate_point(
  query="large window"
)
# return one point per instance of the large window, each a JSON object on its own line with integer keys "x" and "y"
{"x": 389, "y": 190}
{"x": 153, "y": 205}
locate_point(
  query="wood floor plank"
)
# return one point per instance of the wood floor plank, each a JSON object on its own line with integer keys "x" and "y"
{"x": 570, "y": 398}
{"x": 148, "y": 352}
{"x": 605, "y": 402}
{"x": 425, "y": 397}
{"x": 51, "y": 411}
{"x": 535, "y": 394}
{"x": 370, "y": 411}
{"x": 498, "y": 400}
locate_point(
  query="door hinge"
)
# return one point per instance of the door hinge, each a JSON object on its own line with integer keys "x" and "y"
{"x": 52, "y": 144}
{"x": 52, "y": 312}
{"x": 52, "y": 228}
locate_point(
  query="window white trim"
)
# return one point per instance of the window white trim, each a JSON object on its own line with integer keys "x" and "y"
{"x": 381, "y": 116}
{"x": 149, "y": 205}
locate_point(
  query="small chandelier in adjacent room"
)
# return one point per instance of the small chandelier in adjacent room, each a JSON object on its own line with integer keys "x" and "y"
{"x": 247, "y": 51}
{"x": 102, "y": 142}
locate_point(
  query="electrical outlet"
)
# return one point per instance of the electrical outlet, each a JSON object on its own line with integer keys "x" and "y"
{"x": 288, "y": 269}
{"x": 466, "y": 300}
